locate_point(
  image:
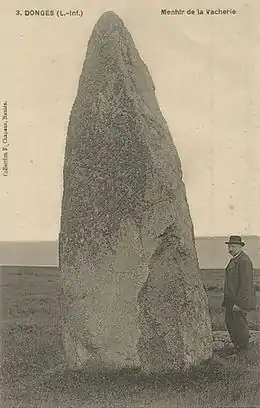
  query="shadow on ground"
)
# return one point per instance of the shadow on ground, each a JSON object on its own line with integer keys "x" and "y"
{"x": 218, "y": 382}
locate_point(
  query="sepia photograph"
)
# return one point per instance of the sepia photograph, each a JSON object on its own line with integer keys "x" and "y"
{"x": 130, "y": 225}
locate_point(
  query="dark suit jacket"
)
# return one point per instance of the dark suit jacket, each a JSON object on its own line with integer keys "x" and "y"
{"x": 239, "y": 286}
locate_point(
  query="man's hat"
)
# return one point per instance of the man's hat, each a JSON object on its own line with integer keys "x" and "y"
{"x": 235, "y": 239}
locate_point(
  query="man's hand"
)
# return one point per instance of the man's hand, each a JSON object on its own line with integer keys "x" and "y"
{"x": 236, "y": 308}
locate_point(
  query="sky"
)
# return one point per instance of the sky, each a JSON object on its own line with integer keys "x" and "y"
{"x": 206, "y": 74}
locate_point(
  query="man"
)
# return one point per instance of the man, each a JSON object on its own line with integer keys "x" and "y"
{"x": 239, "y": 293}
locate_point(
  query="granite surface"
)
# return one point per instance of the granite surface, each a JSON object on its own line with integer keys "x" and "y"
{"x": 132, "y": 290}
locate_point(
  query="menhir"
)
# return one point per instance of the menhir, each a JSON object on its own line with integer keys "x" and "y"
{"x": 133, "y": 295}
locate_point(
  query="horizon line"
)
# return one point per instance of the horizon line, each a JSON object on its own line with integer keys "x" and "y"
{"x": 57, "y": 240}
{"x": 32, "y": 265}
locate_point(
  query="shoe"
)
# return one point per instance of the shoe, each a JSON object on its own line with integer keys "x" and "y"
{"x": 229, "y": 351}
{"x": 241, "y": 350}
{"x": 232, "y": 357}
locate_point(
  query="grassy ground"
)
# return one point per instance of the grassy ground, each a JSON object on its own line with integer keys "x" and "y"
{"x": 214, "y": 384}
{"x": 31, "y": 345}
{"x": 31, "y": 338}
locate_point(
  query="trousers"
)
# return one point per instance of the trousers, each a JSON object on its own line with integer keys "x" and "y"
{"x": 236, "y": 322}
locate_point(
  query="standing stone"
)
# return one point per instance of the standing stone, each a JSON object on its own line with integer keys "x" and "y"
{"x": 133, "y": 294}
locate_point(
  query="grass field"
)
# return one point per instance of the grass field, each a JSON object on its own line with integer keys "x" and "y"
{"x": 30, "y": 319}
{"x": 31, "y": 344}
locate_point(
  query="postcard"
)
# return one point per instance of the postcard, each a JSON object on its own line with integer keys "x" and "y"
{"x": 130, "y": 179}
